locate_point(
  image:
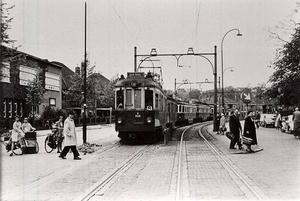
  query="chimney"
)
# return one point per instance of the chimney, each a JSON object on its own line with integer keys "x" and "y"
{"x": 77, "y": 70}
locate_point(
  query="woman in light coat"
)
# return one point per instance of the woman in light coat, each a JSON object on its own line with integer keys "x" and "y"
{"x": 70, "y": 137}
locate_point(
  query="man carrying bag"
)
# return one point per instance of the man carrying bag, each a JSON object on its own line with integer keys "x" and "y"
{"x": 235, "y": 128}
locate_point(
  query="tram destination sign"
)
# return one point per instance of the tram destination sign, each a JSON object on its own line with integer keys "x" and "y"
{"x": 136, "y": 74}
{"x": 246, "y": 97}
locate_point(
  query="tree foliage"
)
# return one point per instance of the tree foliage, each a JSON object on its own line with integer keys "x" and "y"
{"x": 286, "y": 79}
{"x": 108, "y": 97}
{"x": 35, "y": 90}
{"x": 96, "y": 91}
{"x": 75, "y": 90}
{"x": 5, "y": 24}
{"x": 8, "y": 55}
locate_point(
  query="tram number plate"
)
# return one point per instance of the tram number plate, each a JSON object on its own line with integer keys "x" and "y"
{"x": 137, "y": 116}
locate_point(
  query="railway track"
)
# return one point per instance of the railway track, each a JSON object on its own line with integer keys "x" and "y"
{"x": 105, "y": 181}
{"x": 248, "y": 188}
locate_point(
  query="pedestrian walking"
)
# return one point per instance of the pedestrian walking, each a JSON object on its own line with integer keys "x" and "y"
{"x": 222, "y": 124}
{"x": 16, "y": 134}
{"x": 278, "y": 121}
{"x": 70, "y": 137}
{"x": 235, "y": 128}
{"x": 296, "y": 119}
{"x": 249, "y": 131}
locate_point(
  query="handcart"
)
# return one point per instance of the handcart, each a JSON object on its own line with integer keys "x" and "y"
{"x": 31, "y": 144}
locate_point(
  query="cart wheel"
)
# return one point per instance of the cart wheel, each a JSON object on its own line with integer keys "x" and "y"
{"x": 18, "y": 150}
{"x": 47, "y": 148}
{"x": 36, "y": 147}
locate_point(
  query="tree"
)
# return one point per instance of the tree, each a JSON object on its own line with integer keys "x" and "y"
{"x": 287, "y": 74}
{"x": 286, "y": 64}
{"x": 8, "y": 56}
{"x": 5, "y": 24}
{"x": 75, "y": 91}
{"x": 107, "y": 97}
{"x": 35, "y": 92}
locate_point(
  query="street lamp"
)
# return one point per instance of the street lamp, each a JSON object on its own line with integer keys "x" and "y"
{"x": 238, "y": 34}
{"x": 190, "y": 52}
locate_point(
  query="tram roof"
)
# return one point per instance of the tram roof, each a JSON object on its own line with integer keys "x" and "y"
{"x": 137, "y": 79}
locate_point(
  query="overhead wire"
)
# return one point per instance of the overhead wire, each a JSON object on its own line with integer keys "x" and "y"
{"x": 121, "y": 19}
{"x": 196, "y": 32}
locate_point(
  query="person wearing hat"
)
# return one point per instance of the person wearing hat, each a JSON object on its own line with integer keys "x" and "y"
{"x": 70, "y": 137}
{"x": 235, "y": 129}
{"x": 16, "y": 133}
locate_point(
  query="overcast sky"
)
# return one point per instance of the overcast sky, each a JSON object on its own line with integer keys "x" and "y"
{"x": 54, "y": 30}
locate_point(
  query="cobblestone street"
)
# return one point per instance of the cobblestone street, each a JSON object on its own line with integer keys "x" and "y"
{"x": 273, "y": 172}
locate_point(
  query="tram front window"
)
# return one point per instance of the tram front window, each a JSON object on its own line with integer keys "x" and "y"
{"x": 129, "y": 103}
{"x": 138, "y": 98}
{"x": 149, "y": 99}
{"x": 120, "y": 99}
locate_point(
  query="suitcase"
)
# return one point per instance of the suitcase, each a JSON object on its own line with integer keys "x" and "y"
{"x": 230, "y": 135}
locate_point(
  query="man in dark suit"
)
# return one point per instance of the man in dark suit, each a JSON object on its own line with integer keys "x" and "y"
{"x": 235, "y": 128}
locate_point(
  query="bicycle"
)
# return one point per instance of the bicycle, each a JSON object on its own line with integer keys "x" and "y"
{"x": 18, "y": 148}
{"x": 53, "y": 141}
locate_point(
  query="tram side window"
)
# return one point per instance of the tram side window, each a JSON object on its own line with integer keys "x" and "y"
{"x": 129, "y": 98}
{"x": 120, "y": 99}
{"x": 160, "y": 102}
{"x": 156, "y": 101}
{"x": 138, "y": 98}
{"x": 149, "y": 99}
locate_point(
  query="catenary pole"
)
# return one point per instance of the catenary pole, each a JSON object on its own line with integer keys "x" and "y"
{"x": 84, "y": 79}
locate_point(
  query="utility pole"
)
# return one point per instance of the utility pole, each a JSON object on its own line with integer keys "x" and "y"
{"x": 84, "y": 80}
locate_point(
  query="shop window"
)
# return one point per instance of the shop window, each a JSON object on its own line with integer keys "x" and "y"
{"x": 52, "y": 102}
{"x": 5, "y": 72}
{"x": 10, "y": 109}
{"x": 4, "y": 108}
{"x": 52, "y": 81}
{"x": 26, "y": 74}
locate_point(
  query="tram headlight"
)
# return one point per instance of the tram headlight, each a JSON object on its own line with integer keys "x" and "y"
{"x": 149, "y": 120}
{"x": 119, "y": 120}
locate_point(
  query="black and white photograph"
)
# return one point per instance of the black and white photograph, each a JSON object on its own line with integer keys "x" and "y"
{"x": 138, "y": 100}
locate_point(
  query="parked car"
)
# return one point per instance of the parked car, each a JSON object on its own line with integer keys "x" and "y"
{"x": 287, "y": 124}
{"x": 267, "y": 120}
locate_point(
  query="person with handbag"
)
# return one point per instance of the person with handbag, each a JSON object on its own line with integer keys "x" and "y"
{"x": 249, "y": 136}
{"x": 235, "y": 128}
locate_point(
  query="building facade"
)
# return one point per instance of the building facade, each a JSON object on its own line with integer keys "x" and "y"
{"x": 13, "y": 88}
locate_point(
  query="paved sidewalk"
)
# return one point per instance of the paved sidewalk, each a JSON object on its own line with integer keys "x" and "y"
{"x": 21, "y": 173}
{"x": 275, "y": 169}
